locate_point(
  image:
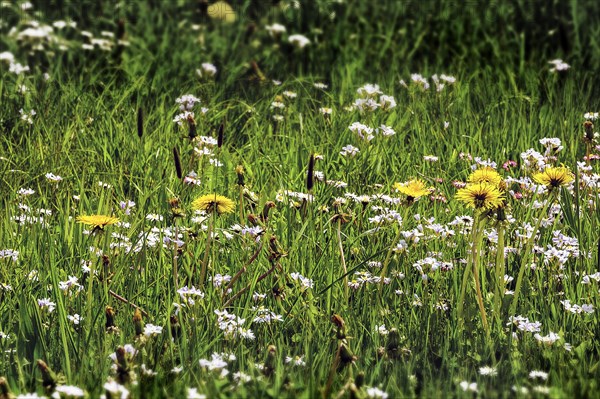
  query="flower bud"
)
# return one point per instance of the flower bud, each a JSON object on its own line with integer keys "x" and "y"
{"x": 110, "y": 320}
{"x": 49, "y": 379}
{"x": 270, "y": 361}
{"x": 138, "y": 324}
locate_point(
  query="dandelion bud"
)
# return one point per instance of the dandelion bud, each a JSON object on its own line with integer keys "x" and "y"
{"x": 123, "y": 370}
{"x": 588, "y": 126}
{"x": 393, "y": 340}
{"x": 275, "y": 249}
{"x": 176, "y": 209}
{"x": 266, "y": 209}
{"x": 220, "y": 135}
{"x": 340, "y": 326}
{"x": 49, "y": 379}
{"x": 5, "y": 392}
{"x": 175, "y": 327}
{"x": 120, "y": 36}
{"x": 337, "y": 320}
{"x": 259, "y": 74}
{"x": 191, "y": 127}
{"x": 270, "y": 361}
{"x": 120, "y": 29}
{"x": 105, "y": 267}
{"x": 110, "y": 320}
{"x": 138, "y": 323}
{"x": 174, "y": 202}
{"x": 250, "y": 196}
{"x": 140, "y": 122}
{"x": 239, "y": 170}
{"x": 177, "y": 162}
{"x": 346, "y": 356}
{"x": 311, "y": 170}
{"x": 359, "y": 380}
{"x": 253, "y": 219}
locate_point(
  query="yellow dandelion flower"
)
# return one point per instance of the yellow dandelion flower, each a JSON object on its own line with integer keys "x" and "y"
{"x": 553, "y": 177}
{"x": 413, "y": 189}
{"x": 222, "y": 11}
{"x": 481, "y": 196}
{"x": 97, "y": 221}
{"x": 214, "y": 202}
{"x": 485, "y": 175}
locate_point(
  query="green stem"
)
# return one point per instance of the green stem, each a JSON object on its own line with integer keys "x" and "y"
{"x": 175, "y": 266}
{"x": 343, "y": 260}
{"x": 466, "y": 273}
{"x": 241, "y": 205}
{"x": 206, "y": 250}
{"x": 499, "y": 291}
{"x": 526, "y": 256}
{"x": 388, "y": 258}
{"x": 479, "y": 293}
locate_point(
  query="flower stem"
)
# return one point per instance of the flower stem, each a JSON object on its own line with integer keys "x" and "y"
{"x": 388, "y": 258}
{"x": 479, "y": 294}
{"x": 525, "y": 259}
{"x": 499, "y": 291}
{"x": 241, "y": 205}
{"x": 473, "y": 262}
{"x": 206, "y": 250}
{"x": 343, "y": 260}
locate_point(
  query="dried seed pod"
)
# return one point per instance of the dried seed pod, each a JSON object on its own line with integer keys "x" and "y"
{"x": 311, "y": 172}
{"x": 140, "y": 122}
{"x": 220, "y": 135}
{"x": 177, "y": 163}
{"x": 265, "y": 213}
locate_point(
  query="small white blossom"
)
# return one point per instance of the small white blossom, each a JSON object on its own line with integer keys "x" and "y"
{"x": 300, "y": 41}
{"x": 558, "y": 65}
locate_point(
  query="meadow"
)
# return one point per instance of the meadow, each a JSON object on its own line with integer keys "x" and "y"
{"x": 311, "y": 199}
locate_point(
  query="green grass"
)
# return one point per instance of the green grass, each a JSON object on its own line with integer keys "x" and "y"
{"x": 505, "y": 99}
